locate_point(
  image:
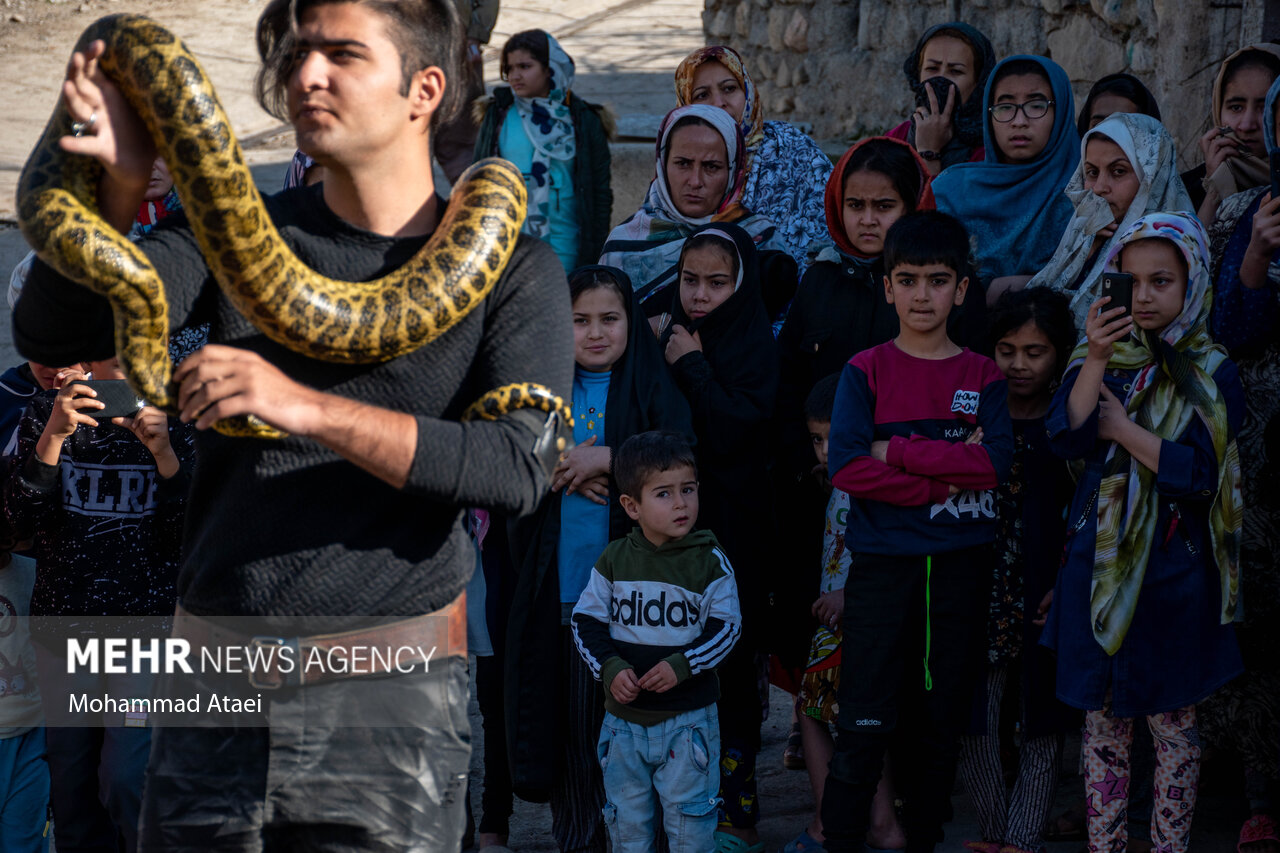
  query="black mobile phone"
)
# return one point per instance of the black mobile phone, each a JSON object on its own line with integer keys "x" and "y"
{"x": 940, "y": 85}
{"x": 1275, "y": 173}
{"x": 1119, "y": 286}
{"x": 117, "y": 397}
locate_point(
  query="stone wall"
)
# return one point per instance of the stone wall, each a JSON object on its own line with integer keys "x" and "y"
{"x": 837, "y": 64}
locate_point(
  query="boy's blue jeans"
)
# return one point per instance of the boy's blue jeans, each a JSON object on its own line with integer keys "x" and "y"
{"x": 678, "y": 760}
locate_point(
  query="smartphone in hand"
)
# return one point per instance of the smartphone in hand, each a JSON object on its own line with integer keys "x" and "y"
{"x": 1275, "y": 173}
{"x": 1119, "y": 286}
{"x": 117, "y": 397}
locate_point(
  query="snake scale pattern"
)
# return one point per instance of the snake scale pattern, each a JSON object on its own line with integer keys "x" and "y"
{"x": 323, "y": 318}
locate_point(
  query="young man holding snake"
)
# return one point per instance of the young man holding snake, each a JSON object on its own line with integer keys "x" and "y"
{"x": 353, "y": 519}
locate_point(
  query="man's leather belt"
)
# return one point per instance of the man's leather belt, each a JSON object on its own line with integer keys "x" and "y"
{"x": 393, "y": 647}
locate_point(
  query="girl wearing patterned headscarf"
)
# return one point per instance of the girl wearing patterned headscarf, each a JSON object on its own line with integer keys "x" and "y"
{"x": 700, "y": 175}
{"x": 955, "y": 59}
{"x": 785, "y": 170}
{"x": 1150, "y": 580}
{"x": 1128, "y": 168}
{"x": 558, "y": 141}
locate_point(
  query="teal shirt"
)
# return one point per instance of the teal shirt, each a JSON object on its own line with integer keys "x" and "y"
{"x": 584, "y": 524}
{"x": 514, "y": 145}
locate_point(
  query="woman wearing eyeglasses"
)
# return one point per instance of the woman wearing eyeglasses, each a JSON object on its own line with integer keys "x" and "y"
{"x": 1013, "y": 202}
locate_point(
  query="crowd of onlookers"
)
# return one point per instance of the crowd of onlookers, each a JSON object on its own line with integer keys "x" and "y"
{"x": 964, "y": 487}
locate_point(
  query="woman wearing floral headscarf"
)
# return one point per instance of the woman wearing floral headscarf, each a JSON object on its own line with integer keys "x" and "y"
{"x": 559, "y": 141}
{"x": 786, "y": 172}
{"x": 1128, "y": 168}
{"x": 1141, "y": 614}
{"x": 700, "y": 174}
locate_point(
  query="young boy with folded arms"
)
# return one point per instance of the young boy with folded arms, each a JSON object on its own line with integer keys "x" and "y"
{"x": 920, "y": 438}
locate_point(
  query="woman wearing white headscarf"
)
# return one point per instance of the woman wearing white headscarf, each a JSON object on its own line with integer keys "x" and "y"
{"x": 1128, "y": 168}
{"x": 700, "y": 173}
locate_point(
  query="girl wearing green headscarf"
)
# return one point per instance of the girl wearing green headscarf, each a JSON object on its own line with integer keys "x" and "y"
{"x": 1148, "y": 411}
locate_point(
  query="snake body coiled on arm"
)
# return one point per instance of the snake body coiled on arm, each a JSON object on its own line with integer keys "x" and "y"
{"x": 320, "y": 317}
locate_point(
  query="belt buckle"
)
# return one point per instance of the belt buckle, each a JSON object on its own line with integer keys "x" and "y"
{"x": 257, "y": 643}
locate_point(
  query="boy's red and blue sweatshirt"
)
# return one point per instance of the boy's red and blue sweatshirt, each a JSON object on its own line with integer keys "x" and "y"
{"x": 925, "y": 409}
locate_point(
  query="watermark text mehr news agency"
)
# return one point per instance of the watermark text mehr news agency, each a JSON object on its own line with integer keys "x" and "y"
{"x": 119, "y": 656}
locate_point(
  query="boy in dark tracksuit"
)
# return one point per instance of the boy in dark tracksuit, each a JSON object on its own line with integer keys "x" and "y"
{"x": 920, "y": 437}
{"x": 659, "y": 613}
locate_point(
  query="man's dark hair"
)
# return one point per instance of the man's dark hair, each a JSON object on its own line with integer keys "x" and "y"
{"x": 533, "y": 41}
{"x": 1017, "y": 68}
{"x": 821, "y": 401}
{"x": 425, "y": 33}
{"x": 649, "y": 453}
{"x": 927, "y": 237}
{"x": 891, "y": 160}
{"x": 1049, "y": 309}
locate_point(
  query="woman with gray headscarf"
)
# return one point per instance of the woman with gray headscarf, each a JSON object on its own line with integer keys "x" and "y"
{"x": 1128, "y": 168}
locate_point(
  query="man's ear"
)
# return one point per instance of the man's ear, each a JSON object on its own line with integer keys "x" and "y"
{"x": 961, "y": 287}
{"x": 631, "y": 505}
{"x": 426, "y": 92}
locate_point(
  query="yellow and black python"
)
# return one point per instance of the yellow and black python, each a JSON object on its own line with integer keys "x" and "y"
{"x": 323, "y": 318}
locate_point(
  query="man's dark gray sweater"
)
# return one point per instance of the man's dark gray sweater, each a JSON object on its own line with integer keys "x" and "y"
{"x": 288, "y": 528}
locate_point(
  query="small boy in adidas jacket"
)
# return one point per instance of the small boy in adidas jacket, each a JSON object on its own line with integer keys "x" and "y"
{"x": 660, "y": 611}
